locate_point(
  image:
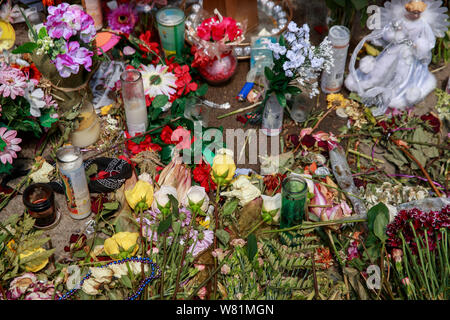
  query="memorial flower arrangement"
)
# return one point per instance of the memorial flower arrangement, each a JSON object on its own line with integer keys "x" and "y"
{"x": 66, "y": 38}
{"x": 213, "y": 39}
{"x": 297, "y": 63}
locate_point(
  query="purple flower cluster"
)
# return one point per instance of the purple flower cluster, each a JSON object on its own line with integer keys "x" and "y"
{"x": 423, "y": 222}
{"x": 64, "y": 22}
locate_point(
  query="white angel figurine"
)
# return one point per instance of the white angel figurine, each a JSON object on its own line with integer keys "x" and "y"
{"x": 399, "y": 77}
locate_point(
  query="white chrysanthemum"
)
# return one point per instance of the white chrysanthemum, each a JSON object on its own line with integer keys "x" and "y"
{"x": 158, "y": 81}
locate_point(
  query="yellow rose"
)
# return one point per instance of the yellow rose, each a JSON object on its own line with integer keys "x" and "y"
{"x": 142, "y": 190}
{"x": 121, "y": 241}
{"x": 7, "y": 35}
{"x": 223, "y": 167}
{"x": 34, "y": 266}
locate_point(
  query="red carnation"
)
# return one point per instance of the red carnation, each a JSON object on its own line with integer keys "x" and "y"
{"x": 202, "y": 175}
{"x": 166, "y": 135}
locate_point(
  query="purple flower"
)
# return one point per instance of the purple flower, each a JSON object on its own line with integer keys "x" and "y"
{"x": 69, "y": 62}
{"x": 122, "y": 19}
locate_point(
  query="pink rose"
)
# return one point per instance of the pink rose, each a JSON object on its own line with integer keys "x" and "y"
{"x": 217, "y": 31}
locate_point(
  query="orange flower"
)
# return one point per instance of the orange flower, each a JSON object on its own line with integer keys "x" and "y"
{"x": 48, "y": 3}
{"x": 323, "y": 256}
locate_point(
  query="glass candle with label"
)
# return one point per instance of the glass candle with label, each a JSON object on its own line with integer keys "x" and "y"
{"x": 134, "y": 101}
{"x": 170, "y": 23}
{"x": 73, "y": 177}
{"x": 332, "y": 81}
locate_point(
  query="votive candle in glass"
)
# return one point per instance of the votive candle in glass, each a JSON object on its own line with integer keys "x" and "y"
{"x": 72, "y": 173}
{"x": 170, "y": 23}
{"x": 39, "y": 201}
{"x": 293, "y": 205}
{"x": 134, "y": 101}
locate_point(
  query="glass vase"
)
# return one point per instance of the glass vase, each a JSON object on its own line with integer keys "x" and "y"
{"x": 272, "y": 118}
{"x": 134, "y": 101}
{"x": 218, "y": 70}
{"x": 301, "y": 108}
{"x": 293, "y": 206}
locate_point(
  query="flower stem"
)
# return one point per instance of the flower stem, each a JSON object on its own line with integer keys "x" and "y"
{"x": 239, "y": 110}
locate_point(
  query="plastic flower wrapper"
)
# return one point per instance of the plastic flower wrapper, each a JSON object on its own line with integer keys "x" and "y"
{"x": 122, "y": 245}
{"x": 244, "y": 190}
{"x": 223, "y": 167}
{"x": 197, "y": 200}
{"x": 141, "y": 196}
{"x": 271, "y": 208}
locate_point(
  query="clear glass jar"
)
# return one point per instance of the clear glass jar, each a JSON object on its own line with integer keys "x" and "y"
{"x": 300, "y": 109}
{"x": 195, "y": 110}
{"x": 134, "y": 101}
{"x": 293, "y": 204}
{"x": 219, "y": 70}
{"x": 272, "y": 118}
{"x": 88, "y": 130}
{"x": 71, "y": 171}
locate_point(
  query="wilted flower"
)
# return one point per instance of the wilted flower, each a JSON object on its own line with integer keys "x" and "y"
{"x": 225, "y": 269}
{"x": 36, "y": 264}
{"x": 238, "y": 242}
{"x": 244, "y": 190}
{"x": 397, "y": 255}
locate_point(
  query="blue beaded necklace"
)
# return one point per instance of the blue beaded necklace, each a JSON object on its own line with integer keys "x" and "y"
{"x": 141, "y": 287}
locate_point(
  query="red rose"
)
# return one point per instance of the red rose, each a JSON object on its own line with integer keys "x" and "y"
{"x": 166, "y": 135}
{"x": 217, "y": 31}
{"x": 202, "y": 175}
{"x": 204, "y": 32}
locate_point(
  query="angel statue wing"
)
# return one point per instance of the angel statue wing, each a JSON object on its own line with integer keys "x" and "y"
{"x": 436, "y": 17}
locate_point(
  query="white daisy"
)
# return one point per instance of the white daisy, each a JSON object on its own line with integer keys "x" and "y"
{"x": 158, "y": 81}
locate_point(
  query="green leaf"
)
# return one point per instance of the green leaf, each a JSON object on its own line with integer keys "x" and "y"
{"x": 281, "y": 99}
{"x": 252, "y": 247}
{"x": 293, "y": 90}
{"x": 379, "y": 209}
{"x": 126, "y": 281}
{"x": 223, "y": 236}
{"x": 111, "y": 205}
{"x": 42, "y": 33}
{"x": 165, "y": 224}
{"x": 230, "y": 206}
{"x": 269, "y": 73}
{"x": 46, "y": 120}
{"x": 160, "y": 101}
{"x": 28, "y": 47}
{"x": 201, "y": 91}
{"x": 379, "y": 226}
{"x": 155, "y": 113}
{"x": 359, "y": 4}
{"x": 174, "y": 204}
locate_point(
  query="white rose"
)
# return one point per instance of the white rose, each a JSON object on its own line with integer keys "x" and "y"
{"x": 196, "y": 195}
{"x": 272, "y": 205}
{"x": 119, "y": 270}
{"x": 161, "y": 196}
{"x": 102, "y": 275}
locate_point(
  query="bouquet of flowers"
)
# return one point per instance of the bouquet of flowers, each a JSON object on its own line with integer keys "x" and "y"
{"x": 63, "y": 51}
{"x": 213, "y": 40}
{"x": 25, "y": 106}
{"x": 297, "y": 63}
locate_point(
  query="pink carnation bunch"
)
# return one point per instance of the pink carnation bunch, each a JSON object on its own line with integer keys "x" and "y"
{"x": 216, "y": 29}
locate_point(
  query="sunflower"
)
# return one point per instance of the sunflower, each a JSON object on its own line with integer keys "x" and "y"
{"x": 157, "y": 80}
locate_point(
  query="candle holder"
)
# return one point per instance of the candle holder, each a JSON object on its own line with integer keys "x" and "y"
{"x": 73, "y": 176}
{"x": 134, "y": 101}
{"x": 293, "y": 205}
{"x": 39, "y": 200}
{"x": 88, "y": 130}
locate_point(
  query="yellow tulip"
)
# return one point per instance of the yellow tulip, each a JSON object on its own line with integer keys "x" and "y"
{"x": 223, "y": 167}
{"x": 142, "y": 192}
{"x": 7, "y": 35}
{"x": 32, "y": 266}
{"x": 121, "y": 241}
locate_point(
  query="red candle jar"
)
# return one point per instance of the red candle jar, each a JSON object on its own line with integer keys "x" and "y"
{"x": 39, "y": 200}
{"x": 219, "y": 69}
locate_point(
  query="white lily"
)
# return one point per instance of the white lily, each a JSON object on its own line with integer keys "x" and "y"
{"x": 161, "y": 197}
{"x": 272, "y": 206}
{"x": 196, "y": 198}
